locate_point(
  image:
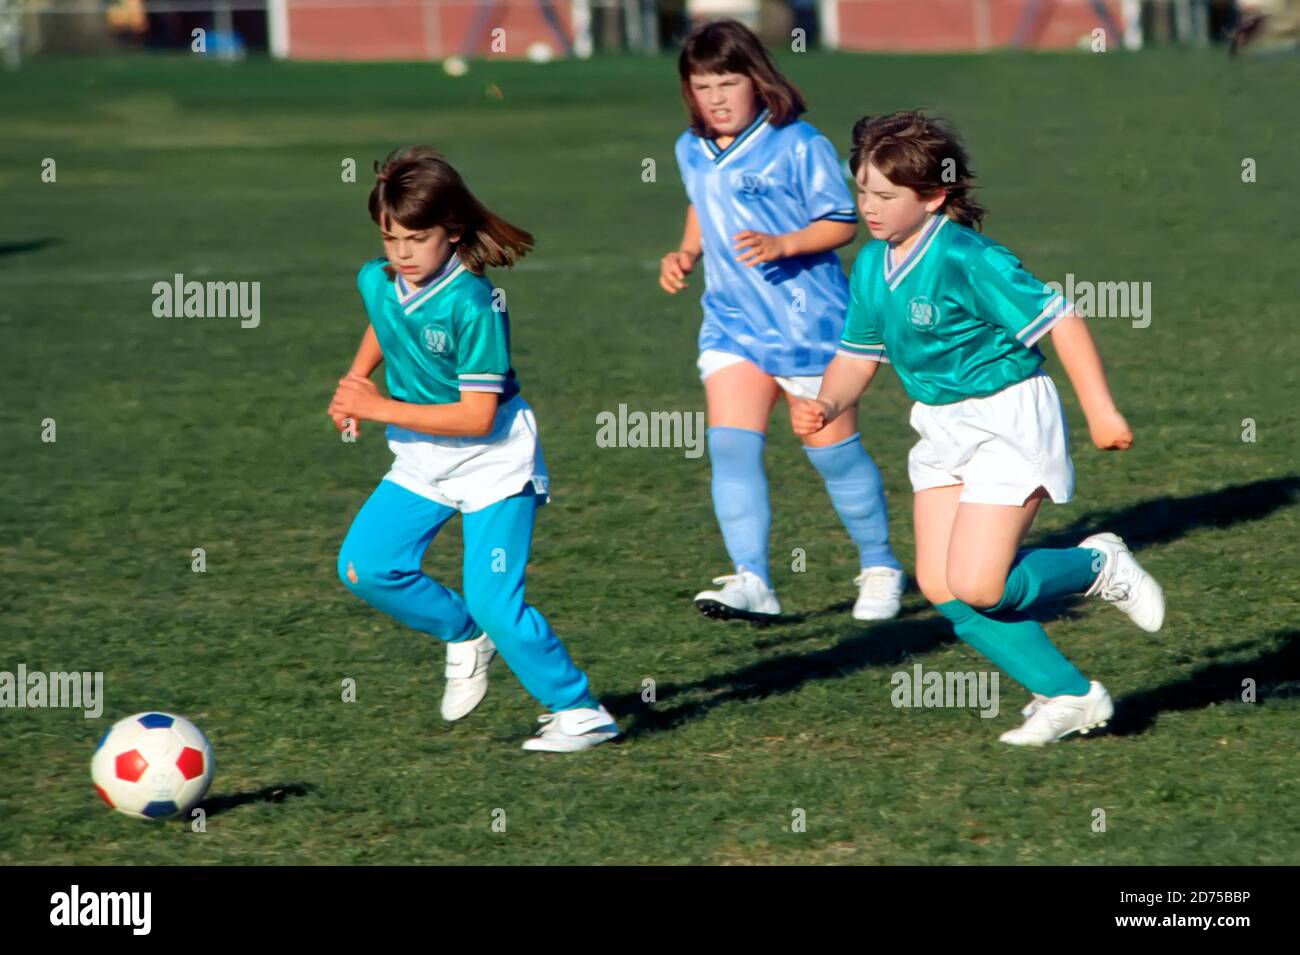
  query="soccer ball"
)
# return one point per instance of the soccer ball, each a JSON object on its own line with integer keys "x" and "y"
{"x": 152, "y": 765}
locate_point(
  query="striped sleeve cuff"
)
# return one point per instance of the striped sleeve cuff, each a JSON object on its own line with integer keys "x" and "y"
{"x": 1057, "y": 309}
{"x": 866, "y": 352}
{"x": 483, "y": 382}
{"x": 840, "y": 215}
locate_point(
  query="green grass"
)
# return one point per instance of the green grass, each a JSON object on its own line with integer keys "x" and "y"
{"x": 181, "y": 433}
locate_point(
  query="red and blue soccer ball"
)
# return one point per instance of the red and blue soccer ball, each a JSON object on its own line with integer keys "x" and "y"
{"x": 152, "y": 765}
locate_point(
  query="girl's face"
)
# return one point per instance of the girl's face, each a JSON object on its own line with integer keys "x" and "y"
{"x": 416, "y": 254}
{"x": 893, "y": 213}
{"x": 726, "y": 101}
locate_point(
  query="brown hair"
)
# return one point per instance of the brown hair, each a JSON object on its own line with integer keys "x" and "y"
{"x": 923, "y": 153}
{"x": 419, "y": 189}
{"x": 728, "y": 46}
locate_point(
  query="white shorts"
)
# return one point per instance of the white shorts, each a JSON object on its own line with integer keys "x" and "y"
{"x": 471, "y": 473}
{"x": 1002, "y": 447}
{"x": 803, "y": 386}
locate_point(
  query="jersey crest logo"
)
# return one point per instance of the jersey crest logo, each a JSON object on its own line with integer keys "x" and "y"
{"x": 748, "y": 185}
{"x": 435, "y": 339}
{"x": 923, "y": 313}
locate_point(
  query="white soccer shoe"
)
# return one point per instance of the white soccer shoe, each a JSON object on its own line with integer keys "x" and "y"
{"x": 743, "y": 596}
{"x": 572, "y": 730}
{"x": 1053, "y": 718}
{"x": 880, "y": 593}
{"x": 1124, "y": 583}
{"x": 466, "y": 673}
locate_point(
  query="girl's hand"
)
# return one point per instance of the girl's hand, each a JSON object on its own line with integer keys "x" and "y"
{"x": 1111, "y": 432}
{"x": 357, "y": 398}
{"x": 808, "y": 415}
{"x": 673, "y": 268}
{"x": 759, "y": 247}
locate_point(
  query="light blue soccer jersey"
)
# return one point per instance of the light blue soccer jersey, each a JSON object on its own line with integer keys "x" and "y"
{"x": 439, "y": 340}
{"x": 958, "y": 316}
{"x": 784, "y": 316}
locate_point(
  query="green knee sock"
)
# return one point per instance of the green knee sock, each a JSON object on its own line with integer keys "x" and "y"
{"x": 1040, "y": 575}
{"x": 1019, "y": 646}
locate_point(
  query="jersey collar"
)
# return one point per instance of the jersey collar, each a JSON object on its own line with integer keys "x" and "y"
{"x": 895, "y": 273}
{"x": 411, "y": 298}
{"x": 744, "y": 138}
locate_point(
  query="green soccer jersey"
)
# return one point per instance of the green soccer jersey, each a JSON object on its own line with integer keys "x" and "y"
{"x": 957, "y": 317}
{"x": 441, "y": 339}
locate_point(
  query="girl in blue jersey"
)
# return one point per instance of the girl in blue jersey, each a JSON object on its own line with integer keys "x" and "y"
{"x": 463, "y": 441}
{"x": 959, "y": 318}
{"x": 768, "y": 207}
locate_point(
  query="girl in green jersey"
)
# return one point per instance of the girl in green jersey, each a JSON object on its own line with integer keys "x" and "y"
{"x": 959, "y": 319}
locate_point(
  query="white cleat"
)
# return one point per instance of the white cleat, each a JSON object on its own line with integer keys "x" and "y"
{"x": 1124, "y": 583}
{"x": 466, "y": 672}
{"x": 572, "y": 730}
{"x": 1053, "y": 718}
{"x": 743, "y": 596}
{"x": 880, "y": 593}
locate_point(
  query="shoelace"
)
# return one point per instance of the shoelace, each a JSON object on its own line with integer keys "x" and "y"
{"x": 1117, "y": 591}
{"x": 878, "y": 584}
{"x": 548, "y": 724}
{"x": 1032, "y": 706}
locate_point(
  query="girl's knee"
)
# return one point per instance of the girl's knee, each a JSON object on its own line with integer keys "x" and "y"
{"x": 976, "y": 592}
{"x": 934, "y": 591}
{"x": 347, "y": 570}
{"x": 364, "y": 576}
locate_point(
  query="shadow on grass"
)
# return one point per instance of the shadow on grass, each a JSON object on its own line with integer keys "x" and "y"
{"x": 31, "y": 245}
{"x": 1276, "y": 674}
{"x": 1157, "y": 521}
{"x": 1164, "y": 519}
{"x": 1151, "y": 522}
{"x": 884, "y": 643}
{"x": 215, "y": 805}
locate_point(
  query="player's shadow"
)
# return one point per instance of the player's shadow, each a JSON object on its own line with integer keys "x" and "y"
{"x": 1164, "y": 519}
{"x": 885, "y": 643}
{"x": 1276, "y": 675}
{"x": 215, "y": 805}
{"x": 31, "y": 245}
{"x": 1159, "y": 520}
{"x": 1156, "y": 521}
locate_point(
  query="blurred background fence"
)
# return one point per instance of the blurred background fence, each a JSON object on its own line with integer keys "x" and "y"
{"x": 542, "y": 29}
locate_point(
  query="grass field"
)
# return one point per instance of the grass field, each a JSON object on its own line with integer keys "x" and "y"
{"x": 181, "y": 433}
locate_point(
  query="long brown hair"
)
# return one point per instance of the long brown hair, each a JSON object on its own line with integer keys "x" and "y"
{"x": 728, "y": 46}
{"x": 923, "y": 153}
{"x": 419, "y": 189}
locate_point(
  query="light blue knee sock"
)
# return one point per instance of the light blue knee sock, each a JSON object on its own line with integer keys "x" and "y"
{"x": 740, "y": 496}
{"x": 1019, "y": 646}
{"x": 858, "y": 493}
